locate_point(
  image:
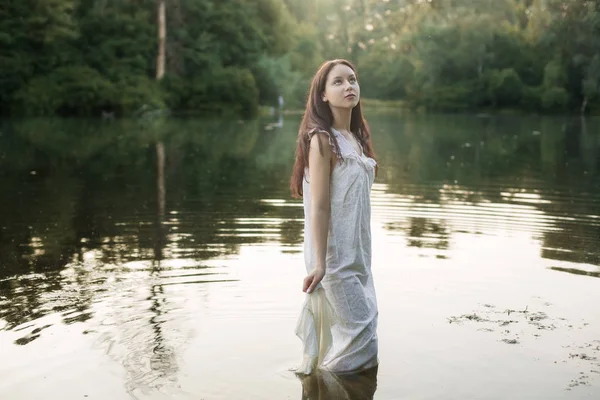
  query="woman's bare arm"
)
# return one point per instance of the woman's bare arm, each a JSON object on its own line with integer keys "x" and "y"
{"x": 319, "y": 161}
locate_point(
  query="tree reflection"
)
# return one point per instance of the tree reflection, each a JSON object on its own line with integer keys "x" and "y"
{"x": 82, "y": 203}
{"x": 462, "y": 163}
{"x": 427, "y": 233}
{"x": 156, "y": 349}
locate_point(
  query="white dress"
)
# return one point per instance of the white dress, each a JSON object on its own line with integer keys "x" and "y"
{"x": 338, "y": 321}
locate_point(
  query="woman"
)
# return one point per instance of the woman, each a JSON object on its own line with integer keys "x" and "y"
{"x": 333, "y": 173}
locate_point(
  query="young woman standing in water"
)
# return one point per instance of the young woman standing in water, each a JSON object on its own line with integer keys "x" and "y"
{"x": 333, "y": 173}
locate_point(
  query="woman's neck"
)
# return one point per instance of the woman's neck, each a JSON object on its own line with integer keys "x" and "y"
{"x": 341, "y": 119}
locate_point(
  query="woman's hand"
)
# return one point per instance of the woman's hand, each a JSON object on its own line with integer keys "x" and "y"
{"x": 312, "y": 280}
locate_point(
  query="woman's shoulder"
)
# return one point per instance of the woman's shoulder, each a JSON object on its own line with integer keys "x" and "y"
{"x": 323, "y": 138}
{"x": 317, "y": 130}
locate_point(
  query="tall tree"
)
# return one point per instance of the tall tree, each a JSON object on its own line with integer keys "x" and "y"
{"x": 162, "y": 36}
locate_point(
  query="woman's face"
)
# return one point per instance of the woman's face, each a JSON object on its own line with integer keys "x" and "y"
{"x": 341, "y": 87}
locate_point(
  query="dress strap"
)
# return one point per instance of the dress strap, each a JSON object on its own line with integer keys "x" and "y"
{"x": 332, "y": 141}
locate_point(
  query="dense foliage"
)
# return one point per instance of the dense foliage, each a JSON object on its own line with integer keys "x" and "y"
{"x": 88, "y": 57}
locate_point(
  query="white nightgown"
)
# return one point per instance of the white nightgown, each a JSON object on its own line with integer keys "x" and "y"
{"x": 338, "y": 321}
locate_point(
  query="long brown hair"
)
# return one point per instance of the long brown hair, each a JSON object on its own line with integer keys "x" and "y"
{"x": 318, "y": 117}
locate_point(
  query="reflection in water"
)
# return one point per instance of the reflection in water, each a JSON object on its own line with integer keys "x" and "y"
{"x": 98, "y": 229}
{"x": 141, "y": 340}
{"x": 162, "y": 360}
{"x": 538, "y": 176}
{"x": 324, "y": 385}
{"x": 160, "y": 240}
{"x": 577, "y": 271}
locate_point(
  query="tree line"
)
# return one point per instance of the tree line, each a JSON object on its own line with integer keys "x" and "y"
{"x": 89, "y": 57}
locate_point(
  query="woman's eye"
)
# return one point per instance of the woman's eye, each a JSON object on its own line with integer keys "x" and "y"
{"x": 352, "y": 80}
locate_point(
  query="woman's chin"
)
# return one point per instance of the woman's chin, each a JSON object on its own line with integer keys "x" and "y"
{"x": 348, "y": 105}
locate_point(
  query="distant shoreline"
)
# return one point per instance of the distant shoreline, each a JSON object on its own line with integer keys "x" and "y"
{"x": 393, "y": 106}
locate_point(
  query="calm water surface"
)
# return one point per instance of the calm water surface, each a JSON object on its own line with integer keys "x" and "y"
{"x": 163, "y": 260}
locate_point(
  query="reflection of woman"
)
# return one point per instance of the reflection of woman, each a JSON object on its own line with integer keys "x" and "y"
{"x": 334, "y": 172}
{"x": 324, "y": 385}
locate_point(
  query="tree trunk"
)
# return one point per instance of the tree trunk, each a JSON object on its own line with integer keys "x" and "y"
{"x": 162, "y": 34}
{"x": 160, "y": 148}
{"x": 584, "y": 105}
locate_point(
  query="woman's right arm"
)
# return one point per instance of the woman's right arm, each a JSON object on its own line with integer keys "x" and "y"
{"x": 319, "y": 161}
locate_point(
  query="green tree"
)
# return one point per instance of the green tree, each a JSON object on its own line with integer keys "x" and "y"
{"x": 34, "y": 37}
